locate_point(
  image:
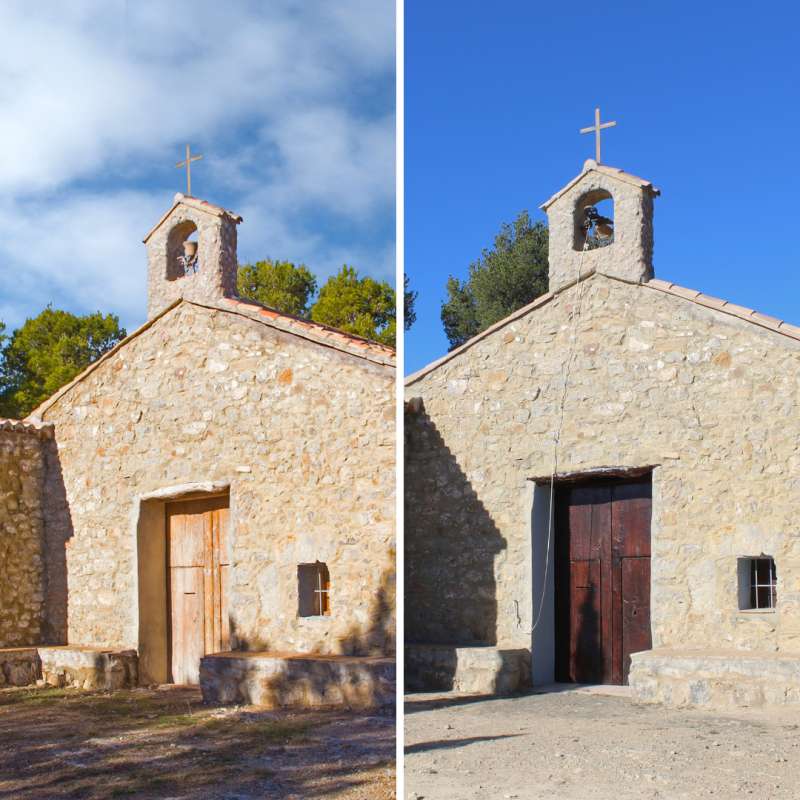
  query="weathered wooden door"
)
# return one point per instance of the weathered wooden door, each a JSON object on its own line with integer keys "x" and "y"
{"x": 602, "y": 578}
{"x": 198, "y": 574}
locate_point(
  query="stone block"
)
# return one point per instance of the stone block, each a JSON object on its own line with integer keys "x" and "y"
{"x": 715, "y": 679}
{"x": 19, "y": 666}
{"x": 89, "y": 668}
{"x": 471, "y": 670}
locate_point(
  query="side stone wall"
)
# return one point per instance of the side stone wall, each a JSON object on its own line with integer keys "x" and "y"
{"x": 711, "y": 401}
{"x": 301, "y": 433}
{"x": 22, "y": 574}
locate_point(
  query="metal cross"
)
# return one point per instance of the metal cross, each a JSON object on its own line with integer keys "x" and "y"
{"x": 188, "y": 164}
{"x": 596, "y": 128}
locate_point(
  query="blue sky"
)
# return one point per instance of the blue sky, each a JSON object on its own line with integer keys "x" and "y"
{"x": 292, "y": 104}
{"x": 707, "y": 102}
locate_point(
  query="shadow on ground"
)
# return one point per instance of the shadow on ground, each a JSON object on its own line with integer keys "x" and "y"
{"x": 450, "y": 744}
{"x": 165, "y": 743}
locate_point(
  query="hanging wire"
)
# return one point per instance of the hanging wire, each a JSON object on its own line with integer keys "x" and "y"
{"x": 557, "y": 437}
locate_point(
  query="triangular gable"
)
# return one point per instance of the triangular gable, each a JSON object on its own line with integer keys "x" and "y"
{"x": 315, "y": 333}
{"x": 193, "y": 202}
{"x": 613, "y": 172}
{"x": 692, "y": 295}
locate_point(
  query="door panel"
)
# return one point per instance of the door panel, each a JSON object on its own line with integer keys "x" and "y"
{"x": 602, "y": 578}
{"x": 636, "y": 634}
{"x": 199, "y": 577}
{"x": 586, "y": 638}
{"x": 188, "y": 645}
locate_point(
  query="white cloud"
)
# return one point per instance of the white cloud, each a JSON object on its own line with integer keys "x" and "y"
{"x": 98, "y": 97}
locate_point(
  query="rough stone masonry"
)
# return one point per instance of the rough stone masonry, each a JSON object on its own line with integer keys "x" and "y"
{"x": 291, "y": 422}
{"x": 22, "y": 574}
{"x": 704, "y": 392}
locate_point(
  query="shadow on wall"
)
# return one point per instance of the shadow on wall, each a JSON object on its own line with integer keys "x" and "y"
{"x": 57, "y": 532}
{"x": 361, "y": 676}
{"x": 379, "y": 636}
{"x": 451, "y": 543}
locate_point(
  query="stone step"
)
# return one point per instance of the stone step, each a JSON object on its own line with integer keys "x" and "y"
{"x": 296, "y": 680}
{"x": 470, "y": 670}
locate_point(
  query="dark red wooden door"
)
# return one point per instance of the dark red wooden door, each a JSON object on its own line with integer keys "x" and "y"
{"x": 602, "y": 576}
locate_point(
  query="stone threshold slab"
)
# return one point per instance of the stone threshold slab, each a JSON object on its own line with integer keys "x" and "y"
{"x": 298, "y": 680}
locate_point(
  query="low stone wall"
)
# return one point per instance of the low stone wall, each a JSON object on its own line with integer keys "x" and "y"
{"x": 285, "y": 680}
{"x": 471, "y": 670}
{"x": 78, "y": 667}
{"x": 715, "y": 679}
{"x": 22, "y": 589}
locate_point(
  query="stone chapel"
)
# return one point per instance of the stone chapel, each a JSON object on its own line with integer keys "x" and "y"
{"x": 210, "y": 502}
{"x": 604, "y": 487}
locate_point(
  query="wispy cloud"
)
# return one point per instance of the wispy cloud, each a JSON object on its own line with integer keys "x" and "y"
{"x": 291, "y": 102}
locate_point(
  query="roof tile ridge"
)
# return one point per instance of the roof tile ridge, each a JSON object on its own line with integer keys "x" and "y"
{"x": 541, "y": 300}
{"x": 726, "y": 307}
{"x": 45, "y": 405}
{"x": 318, "y": 327}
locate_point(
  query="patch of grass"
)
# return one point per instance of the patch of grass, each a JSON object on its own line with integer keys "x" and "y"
{"x": 34, "y": 697}
{"x": 250, "y": 733}
{"x": 172, "y": 720}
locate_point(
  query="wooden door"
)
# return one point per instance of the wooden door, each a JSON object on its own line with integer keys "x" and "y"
{"x": 197, "y": 534}
{"x": 602, "y": 577}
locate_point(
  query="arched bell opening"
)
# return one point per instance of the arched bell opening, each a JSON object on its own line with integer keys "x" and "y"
{"x": 182, "y": 251}
{"x": 594, "y": 221}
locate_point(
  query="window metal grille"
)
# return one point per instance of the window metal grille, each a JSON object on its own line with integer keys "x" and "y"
{"x": 763, "y": 583}
{"x": 314, "y": 587}
{"x": 322, "y": 596}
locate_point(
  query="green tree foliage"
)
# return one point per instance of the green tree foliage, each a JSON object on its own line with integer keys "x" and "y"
{"x": 278, "y": 284}
{"x": 505, "y": 278}
{"x": 362, "y": 306}
{"x": 409, "y": 298}
{"x": 49, "y": 351}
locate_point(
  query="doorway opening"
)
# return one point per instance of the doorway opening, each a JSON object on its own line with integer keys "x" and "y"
{"x": 594, "y": 594}
{"x": 184, "y": 585}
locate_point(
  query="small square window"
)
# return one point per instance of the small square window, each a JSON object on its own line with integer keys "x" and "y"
{"x": 758, "y": 583}
{"x": 313, "y": 590}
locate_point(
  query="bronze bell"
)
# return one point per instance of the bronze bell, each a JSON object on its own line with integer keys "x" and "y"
{"x": 605, "y": 230}
{"x": 189, "y": 250}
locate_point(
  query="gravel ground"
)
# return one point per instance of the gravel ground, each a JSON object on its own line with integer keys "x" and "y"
{"x": 581, "y": 744}
{"x": 63, "y": 743}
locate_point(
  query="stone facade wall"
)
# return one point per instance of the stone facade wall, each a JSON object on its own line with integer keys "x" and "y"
{"x": 22, "y": 575}
{"x": 216, "y": 257}
{"x": 302, "y": 433}
{"x": 709, "y": 400}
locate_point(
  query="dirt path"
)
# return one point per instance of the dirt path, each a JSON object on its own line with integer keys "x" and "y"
{"x": 62, "y": 743}
{"x": 579, "y": 746}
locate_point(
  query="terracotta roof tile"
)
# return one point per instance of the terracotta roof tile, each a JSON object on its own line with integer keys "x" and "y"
{"x": 42, "y": 429}
{"x": 732, "y": 309}
{"x": 681, "y": 291}
{"x": 315, "y": 330}
{"x": 711, "y": 302}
